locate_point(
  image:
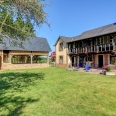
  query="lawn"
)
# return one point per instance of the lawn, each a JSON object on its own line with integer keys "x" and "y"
{"x": 56, "y": 92}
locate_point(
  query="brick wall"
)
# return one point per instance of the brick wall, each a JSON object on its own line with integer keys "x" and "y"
{"x": 106, "y": 59}
{"x": 23, "y": 66}
{"x": 112, "y": 66}
{"x": 96, "y": 61}
{"x": 93, "y": 60}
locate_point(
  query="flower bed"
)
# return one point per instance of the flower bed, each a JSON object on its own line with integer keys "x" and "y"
{"x": 107, "y": 68}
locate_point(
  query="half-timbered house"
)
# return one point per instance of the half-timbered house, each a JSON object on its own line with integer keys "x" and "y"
{"x": 96, "y": 46}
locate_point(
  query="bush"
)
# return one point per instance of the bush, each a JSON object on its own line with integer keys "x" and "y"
{"x": 107, "y": 68}
{"x": 113, "y": 62}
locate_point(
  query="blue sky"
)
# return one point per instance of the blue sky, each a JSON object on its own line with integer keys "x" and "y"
{"x": 72, "y": 17}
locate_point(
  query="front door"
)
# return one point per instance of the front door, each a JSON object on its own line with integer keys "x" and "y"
{"x": 81, "y": 60}
{"x": 73, "y": 61}
{"x": 100, "y": 61}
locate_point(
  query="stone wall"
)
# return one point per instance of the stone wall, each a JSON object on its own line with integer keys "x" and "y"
{"x": 96, "y": 61}
{"x": 112, "y": 66}
{"x": 23, "y": 66}
{"x": 62, "y": 65}
{"x": 106, "y": 59}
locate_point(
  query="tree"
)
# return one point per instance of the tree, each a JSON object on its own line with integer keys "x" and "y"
{"x": 18, "y": 18}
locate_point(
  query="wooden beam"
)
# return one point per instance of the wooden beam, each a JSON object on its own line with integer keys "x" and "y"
{"x": 31, "y": 59}
{"x": 48, "y": 58}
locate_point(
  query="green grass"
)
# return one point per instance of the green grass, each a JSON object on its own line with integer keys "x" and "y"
{"x": 56, "y": 92}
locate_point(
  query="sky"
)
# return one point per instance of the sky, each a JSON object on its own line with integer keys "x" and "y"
{"x": 72, "y": 17}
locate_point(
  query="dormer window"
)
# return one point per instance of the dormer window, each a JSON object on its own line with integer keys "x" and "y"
{"x": 60, "y": 46}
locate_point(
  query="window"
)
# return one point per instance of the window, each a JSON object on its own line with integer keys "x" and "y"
{"x": 105, "y": 39}
{"x": 76, "y": 45}
{"x": 108, "y": 40}
{"x": 60, "y": 46}
{"x": 98, "y": 41}
{"x": 111, "y": 40}
{"x": 114, "y": 39}
{"x": 102, "y": 41}
{"x": 88, "y": 58}
{"x": 73, "y": 45}
{"x": 80, "y": 44}
{"x": 86, "y": 43}
{"x": 61, "y": 59}
{"x": 93, "y": 42}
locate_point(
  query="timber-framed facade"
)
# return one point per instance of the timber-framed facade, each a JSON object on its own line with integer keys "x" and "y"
{"x": 26, "y": 57}
{"x": 97, "y": 51}
{"x": 96, "y": 47}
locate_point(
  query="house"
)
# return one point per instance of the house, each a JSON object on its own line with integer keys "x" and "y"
{"x": 24, "y": 56}
{"x": 61, "y": 48}
{"x": 96, "y": 46}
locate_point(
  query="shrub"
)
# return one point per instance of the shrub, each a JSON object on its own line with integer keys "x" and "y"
{"x": 113, "y": 62}
{"x": 107, "y": 68}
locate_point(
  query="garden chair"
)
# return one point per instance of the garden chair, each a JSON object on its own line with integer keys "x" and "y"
{"x": 87, "y": 67}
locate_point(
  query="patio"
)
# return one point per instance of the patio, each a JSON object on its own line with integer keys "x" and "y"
{"x": 92, "y": 70}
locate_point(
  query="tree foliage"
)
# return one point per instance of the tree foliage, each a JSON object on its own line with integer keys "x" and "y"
{"x": 18, "y": 18}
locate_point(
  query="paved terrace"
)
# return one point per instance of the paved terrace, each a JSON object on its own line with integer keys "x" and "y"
{"x": 92, "y": 70}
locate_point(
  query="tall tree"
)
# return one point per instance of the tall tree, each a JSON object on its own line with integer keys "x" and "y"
{"x": 18, "y": 18}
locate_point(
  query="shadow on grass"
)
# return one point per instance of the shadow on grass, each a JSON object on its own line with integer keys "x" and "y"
{"x": 18, "y": 80}
{"x": 11, "y": 84}
{"x": 12, "y": 106}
